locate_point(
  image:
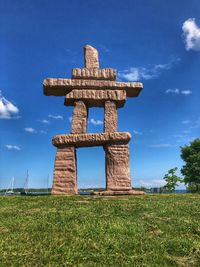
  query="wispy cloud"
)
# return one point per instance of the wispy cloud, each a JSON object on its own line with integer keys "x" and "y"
{"x": 104, "y": 48}
{"x": 137, "y": 132}
{"x": 7, "y": 109}
{"x": 96, "y": 122}
{"x": 172, "y": 91}
{"x": 30, "y": 130}
{"x": 177, "y": 91}
{"x": 161, "y": 146}
{"x": 13, "y": 147}
{"x": 185, "y": 122}
{"x": 191, "y": 33}
{"x": 70, "y": 119}
{"x": 45, "y": 121}
{"x": 146, "y": 73}
{"x": 55, "y": 117}
{"x": 186, "y": 92}
{"x": 196, "y": 124}
{"x": 43, "y": 132}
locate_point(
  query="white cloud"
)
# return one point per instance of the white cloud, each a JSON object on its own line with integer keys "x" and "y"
{"x": 186, "y": 92}
{"x": 176, "y": 91}
{"x": 185, "y": 121}
{"x": 70, "y": 119}
{"x": 45, "y": 121}
{"x": 136, "y": 132}
{"x": 160, "y": 146}
{"x": 7, "y": 109}
{"x": 30, "y": 130}
{"x": 191, "y": 33}
{"x": 172, "y": 91}
{"x": 55, "y": 117}
{"x": 13, "y": 147}
{"x": 96, "y": 122}
{"x": 152, "y": 72}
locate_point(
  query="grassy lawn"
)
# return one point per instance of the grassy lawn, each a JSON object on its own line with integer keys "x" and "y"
{"x": 151, "y": 230}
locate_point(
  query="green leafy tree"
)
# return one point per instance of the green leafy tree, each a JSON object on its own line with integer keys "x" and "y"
{"x": 191, "y": 170}
{"x": 172, "y": 180}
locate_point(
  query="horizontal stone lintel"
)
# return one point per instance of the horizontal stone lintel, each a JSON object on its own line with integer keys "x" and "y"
{"x": 94, "y": 74}
{"x": 96, "y": 98}
{"x": 87, "y": 140}
{"x": 61, "y": 87}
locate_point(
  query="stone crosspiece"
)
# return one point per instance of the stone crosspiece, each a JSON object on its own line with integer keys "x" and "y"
{"x": 61, "y": 87}
{"x": 87, "y": 140}
{"x": 94, "y": 74}
{"x": 96, "y": 98}
{"x": 79, "y": 118}
{"x": 93, "y": 87}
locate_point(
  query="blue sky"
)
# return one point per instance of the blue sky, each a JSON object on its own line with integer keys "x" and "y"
{"x": 152, "y": 41}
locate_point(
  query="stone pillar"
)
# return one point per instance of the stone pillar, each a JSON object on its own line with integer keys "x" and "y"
{"x": 110, "y": 117}
{"x": 64, "y": 179}
{"x": 117, "y": 168}
{"x": 79, "y": 118}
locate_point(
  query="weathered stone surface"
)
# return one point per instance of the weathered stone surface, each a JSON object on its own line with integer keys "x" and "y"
{"x": 94, "y": 74}
{"x": 110, "y": 117}
{"x": 64, "y": 179}
{"x": 91, "y": 57}
{"x": 96, "y": 98}
{"x": 84, "y": 140}
{"x": 79, "y": 118}
{"x": 117, "y": 168}
{"x": 60, "y": 87}
{"x": 93, "y": 87}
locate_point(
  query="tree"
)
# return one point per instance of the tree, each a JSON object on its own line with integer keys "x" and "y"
{"x": 191, "y": 170}
{"x": 172, "y": 180}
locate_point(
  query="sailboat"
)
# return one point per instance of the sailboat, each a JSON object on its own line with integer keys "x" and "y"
{"x": 26, "y": 185}
{"x": 10, "y": 189}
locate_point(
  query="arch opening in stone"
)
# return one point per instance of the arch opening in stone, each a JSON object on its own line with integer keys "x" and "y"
{"x": 90, "y": 169}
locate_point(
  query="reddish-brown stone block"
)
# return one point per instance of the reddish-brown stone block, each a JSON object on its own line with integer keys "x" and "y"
{"x": 91, "y": 57}
{"x": 117, "y": 168}
{"x": 79, "y": 118}
{"x": 110, "y": 117}
{"x": 64, "y": 179}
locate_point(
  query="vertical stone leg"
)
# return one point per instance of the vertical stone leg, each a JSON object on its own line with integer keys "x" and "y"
{"x": 117, "y": 168}
{"x": 64, "y": 179}
{"x": 79, "y": 118}
{"x": 110, "y": 117}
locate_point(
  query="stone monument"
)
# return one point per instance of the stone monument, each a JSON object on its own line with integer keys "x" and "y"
{"x": 92, "y": 86}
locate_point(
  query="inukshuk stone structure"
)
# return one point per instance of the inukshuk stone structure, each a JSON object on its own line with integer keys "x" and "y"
{"x": 92, "y": 87}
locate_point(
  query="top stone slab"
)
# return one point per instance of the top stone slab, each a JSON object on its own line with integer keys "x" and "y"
{"x": 91, "y": 77}
{"x": 91, "y": 57}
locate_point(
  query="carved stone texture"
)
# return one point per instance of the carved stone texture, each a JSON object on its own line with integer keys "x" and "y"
{"x": 85, "y": 140}
{"x": 117, "y": 168}
{"x": 79, "y": 118}
{"x": 94, "y": 74}
{"x": 65, "y": 180}
{"x": 96, "y": 98}
{"x": 91, "y": 57}
{"x": 60, "y": 87}
{"x": 110, "y": 117}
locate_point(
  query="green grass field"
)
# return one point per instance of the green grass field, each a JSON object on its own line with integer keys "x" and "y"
{"x": 151, "y": 230}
